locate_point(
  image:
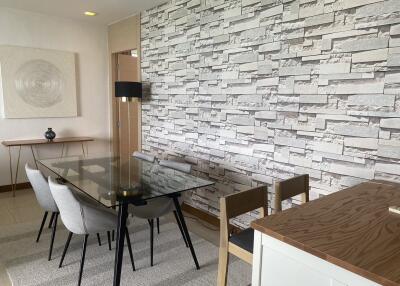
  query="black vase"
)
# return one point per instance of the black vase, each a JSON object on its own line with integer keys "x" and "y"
{"x": 50, "y": 134}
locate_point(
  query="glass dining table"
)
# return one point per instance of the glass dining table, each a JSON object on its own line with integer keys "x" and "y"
{"x": 117, "y": 182}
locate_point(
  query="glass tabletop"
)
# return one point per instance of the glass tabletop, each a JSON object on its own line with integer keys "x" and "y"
{"x": 111, "y": 180}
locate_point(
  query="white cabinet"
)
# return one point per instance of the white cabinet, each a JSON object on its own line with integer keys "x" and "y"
{"x": 276, "y": 263}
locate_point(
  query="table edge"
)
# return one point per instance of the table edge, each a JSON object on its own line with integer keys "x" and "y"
{"x": 24, "y": 142}
{"x": 128, "y": 200}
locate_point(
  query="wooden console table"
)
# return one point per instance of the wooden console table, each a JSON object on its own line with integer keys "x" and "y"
{"x": 36, "y": 142}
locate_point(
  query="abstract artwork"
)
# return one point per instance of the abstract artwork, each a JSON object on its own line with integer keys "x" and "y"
{"x": 37, "y": 83}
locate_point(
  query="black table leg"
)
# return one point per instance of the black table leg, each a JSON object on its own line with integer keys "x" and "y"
{"x": 109, "y": 240}
{"x": 98, "y": 239}
{"x": 185, "y": 230}
{"x": 180, "y": 228}
{"x": 119, "y": 251}
{"x": 128, "y": 242}
{"x": 151, "y": 223}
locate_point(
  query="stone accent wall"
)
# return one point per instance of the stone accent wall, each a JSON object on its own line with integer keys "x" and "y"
{"x": 251, "y": 91}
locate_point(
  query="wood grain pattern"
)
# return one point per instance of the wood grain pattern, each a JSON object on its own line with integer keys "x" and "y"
{"x": 351, "y": 228}
{"x": 11, "y": 143}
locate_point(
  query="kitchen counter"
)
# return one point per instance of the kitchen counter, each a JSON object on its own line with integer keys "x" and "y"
{"x": 351, "y": 229}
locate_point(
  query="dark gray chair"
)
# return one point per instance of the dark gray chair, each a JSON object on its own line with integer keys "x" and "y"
{"x": 156, "y": 208}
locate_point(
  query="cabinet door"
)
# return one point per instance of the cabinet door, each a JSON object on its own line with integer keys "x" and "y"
{"x": 281, "y": 270}
{"x": 277, "y": 263}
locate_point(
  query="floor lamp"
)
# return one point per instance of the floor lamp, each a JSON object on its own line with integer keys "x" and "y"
{"x": 126, "y": 90}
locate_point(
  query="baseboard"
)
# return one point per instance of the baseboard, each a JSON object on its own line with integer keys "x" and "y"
{"x": 206, "y": 216}
{"x": 203, "y": 215}
{"x": 20, "y": 186}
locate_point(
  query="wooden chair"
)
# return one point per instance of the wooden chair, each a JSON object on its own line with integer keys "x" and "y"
{"x": 241, "y": 244}
{"x": 292, "y": 187}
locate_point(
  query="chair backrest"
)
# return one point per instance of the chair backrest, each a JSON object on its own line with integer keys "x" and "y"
{"x": 41, "y": 188}
{"x": 290, "y": 188}
{"x": 69, "y": 206}
{"x": 143, "y": 156}
{"x": 183, "y": 167}
{"x": 240, "y": 203}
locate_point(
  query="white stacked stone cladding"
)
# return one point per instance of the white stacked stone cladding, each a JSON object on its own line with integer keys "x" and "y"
{"x": 254, "y": 91}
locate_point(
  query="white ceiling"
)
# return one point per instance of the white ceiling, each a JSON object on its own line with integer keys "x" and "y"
{"x": 109, "y": 11}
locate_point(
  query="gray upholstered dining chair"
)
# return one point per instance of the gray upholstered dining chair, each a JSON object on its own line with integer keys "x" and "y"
{"x": 142, "y": 156}
{"x": 83, "y": 218}
{"x": 43, "y": 195}
{"x": 45, "y": 200}
{"x": 151, "y": 159}
{"x": 158, "y": 207}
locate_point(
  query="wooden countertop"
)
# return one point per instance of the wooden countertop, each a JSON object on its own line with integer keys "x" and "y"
{"x": 351, "y": 228}
{"x": 10, "y": 143}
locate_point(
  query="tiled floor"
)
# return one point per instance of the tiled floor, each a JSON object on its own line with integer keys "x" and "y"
{"x": 23, "y": 208}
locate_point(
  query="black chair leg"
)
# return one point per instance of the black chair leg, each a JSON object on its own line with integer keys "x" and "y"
{"x": 53, "y": 235}
{"x": 83, "y": 259}
{"x": 51, "y": 219}
{"x": 128, "y": 242}
{"x": 158, "y": 225}
{"x": 99, "y": 239}
{"x": 41, "y": 226}
{"x": 180, "y": 228}
{"x": 65, "y": 249}
{"x": 109, "y": 240}
{"x": 151, "y": 223}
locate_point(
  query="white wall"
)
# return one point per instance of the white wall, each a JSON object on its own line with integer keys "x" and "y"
{"x": 89, "y": 42}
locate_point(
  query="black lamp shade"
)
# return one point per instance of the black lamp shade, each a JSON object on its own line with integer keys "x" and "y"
{"x": 128, "y": 89}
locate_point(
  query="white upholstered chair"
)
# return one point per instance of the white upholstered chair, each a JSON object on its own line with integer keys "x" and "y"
{"x": 158, "y": 207}
{"x": 45, "y": 200}
{"x": 83, "y": 218}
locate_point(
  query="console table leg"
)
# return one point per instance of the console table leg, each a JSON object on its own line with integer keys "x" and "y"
{"x": 14, "y": 181}
{"x": 83, "y": 150}
{"x": 16, "y": 171}
{"x": 11, "y": 173}
{"x": 62, "y": 150}
{"x": 34, "y": 157}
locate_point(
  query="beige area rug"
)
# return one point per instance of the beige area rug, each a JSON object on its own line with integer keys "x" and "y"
{"x": 27, "y": 265}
